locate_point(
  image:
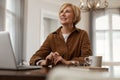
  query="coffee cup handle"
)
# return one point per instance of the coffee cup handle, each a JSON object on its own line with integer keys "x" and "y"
{"x": 88, "y": 61}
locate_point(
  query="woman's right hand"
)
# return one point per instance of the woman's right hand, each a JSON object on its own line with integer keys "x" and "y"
{"x": 49, "y": 59}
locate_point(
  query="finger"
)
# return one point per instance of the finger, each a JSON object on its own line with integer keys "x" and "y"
{"x": 52, "y": 60}
{"x": 56, "y": 57}
{"x": 56, "y": 53}
{"x": 56, "y": 61}
{"x": 51, "y": 53}
{"x": 50, "y": 56}
{"x": 59, "y": 59}
{"x": 48, "y": 61}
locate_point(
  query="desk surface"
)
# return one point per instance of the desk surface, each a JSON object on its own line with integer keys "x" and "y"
{"x": 79, "y": 73}
{"x": 39, "y": 74}
{"x": 67, "y": 72}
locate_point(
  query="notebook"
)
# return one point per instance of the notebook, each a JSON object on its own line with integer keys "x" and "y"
{"x": 7, "y": 57}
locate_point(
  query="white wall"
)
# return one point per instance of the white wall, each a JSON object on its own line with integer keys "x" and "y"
{"x": 33, "y": 24}
{"x": 32, "y": 29}
{"x": 84, "y": 23}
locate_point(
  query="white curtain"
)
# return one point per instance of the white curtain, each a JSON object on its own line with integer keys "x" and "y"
{"x": 106, "y": 36}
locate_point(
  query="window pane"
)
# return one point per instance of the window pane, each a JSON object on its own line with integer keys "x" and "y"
{"x": 116, "y": 21}
{"x": 102, "y": 23}
{"x": 102, "y": 45}
{"x": 10, "y": 5}
{"x": 10, "y": 27}
{"x": 116, "y": 46}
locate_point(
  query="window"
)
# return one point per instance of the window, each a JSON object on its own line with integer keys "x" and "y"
{"x": 10, "y": 20}
{"x": 49, "y": 24}
{"x": 107, "y": 35}
{"x": 14, "y": 25}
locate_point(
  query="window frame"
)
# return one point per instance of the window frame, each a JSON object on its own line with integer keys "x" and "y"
{"x": 110, "y": 32}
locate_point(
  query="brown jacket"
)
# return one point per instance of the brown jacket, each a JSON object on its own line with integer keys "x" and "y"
{"x": 76, "y": 48}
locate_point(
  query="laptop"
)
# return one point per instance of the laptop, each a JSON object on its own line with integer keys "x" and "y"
{"x": 7, "y": 57}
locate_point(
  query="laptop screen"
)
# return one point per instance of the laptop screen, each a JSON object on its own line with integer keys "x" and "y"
{"x": 7, "y": 58}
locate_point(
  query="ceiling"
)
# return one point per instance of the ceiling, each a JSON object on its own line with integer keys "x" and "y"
{"x": 112, "y": 3}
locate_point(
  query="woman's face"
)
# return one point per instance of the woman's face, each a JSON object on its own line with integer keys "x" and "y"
{"x": 66, "y": 16}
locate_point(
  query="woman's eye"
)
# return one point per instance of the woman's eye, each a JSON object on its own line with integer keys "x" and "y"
{"x": 61, "y": 11}
{"x": 67, "y": 11}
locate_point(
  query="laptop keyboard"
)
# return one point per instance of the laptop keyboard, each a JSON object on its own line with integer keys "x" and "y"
{"x": 28, "y": 67}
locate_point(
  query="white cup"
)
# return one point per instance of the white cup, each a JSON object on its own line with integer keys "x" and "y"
{"x": 94, "y": 61}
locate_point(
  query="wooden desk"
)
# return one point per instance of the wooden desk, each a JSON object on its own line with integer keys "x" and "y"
{"x": 68, "y": 73}
{"x": 39, "y": 74}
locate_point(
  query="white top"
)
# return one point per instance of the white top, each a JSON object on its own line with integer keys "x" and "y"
{"x": 65, "y": 36}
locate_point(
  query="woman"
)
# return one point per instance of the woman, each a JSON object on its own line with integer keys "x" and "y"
{"x": 68, "y": 45}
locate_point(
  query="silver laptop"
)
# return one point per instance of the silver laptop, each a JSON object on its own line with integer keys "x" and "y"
{"x": 7, "y": 57}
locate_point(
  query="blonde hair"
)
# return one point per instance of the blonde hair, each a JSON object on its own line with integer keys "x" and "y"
{"x": 75, "y": 9}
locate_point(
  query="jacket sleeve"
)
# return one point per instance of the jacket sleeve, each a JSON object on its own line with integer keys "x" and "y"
{"x": 44, "y": 50}
{"x": 85, "y": 48}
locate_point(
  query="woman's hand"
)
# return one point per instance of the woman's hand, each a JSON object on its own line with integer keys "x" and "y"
{"x": 43, "y": 63}
{"x": 54, "y": 58}
{"x": 58, "y": 59}
{"x": 49, "y": 59}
